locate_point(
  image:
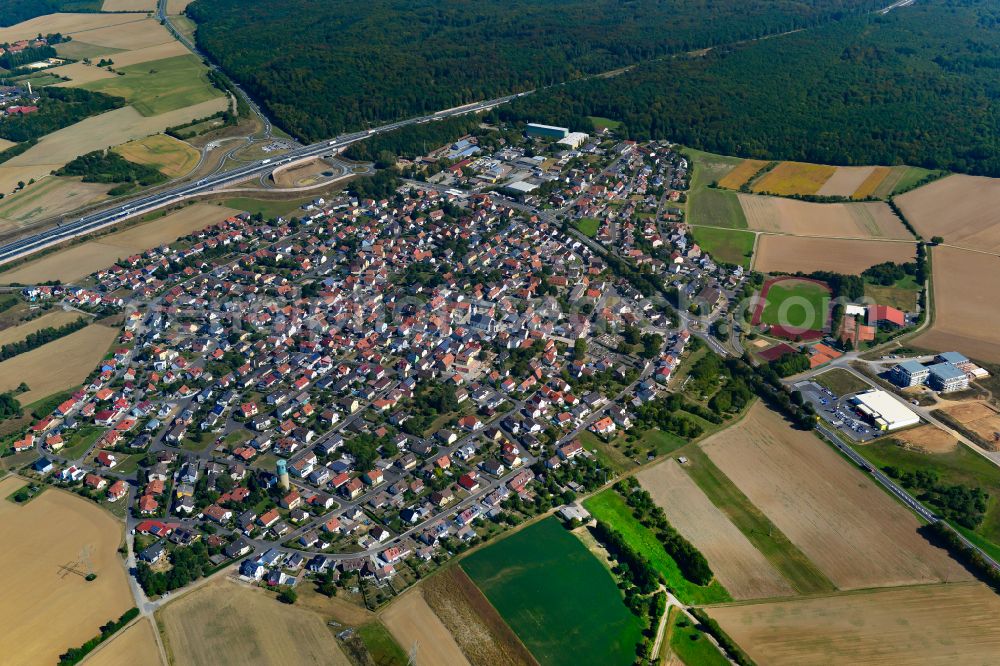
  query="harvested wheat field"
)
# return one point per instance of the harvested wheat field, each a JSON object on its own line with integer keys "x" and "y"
{"x": 139, "y": 33}
{"x": 927, "y": 438}
{"x": 852, "y": 531}
{"x": 870, "y": 219}
{"x": 794, "y": 178}
{"x": 177, "y": 6}
{"x": 483, "y": 636}
{"x": 930, "y": 624}
{"x": 58, "y": 365}
{"x": 131, "y": 647}
{"x": 845, "y": 181}
{"x": 78, "y": 261}
{"x": 5, "y": 144}
{"x": 47, "y": 609}
{"x": 129, "y": 6}
{"x": 789, "y": 254}
{"x": 100, "y": 132}
{"x": 411, "y": 621}
{"x": 21, "y": 331}
{"x": 871, "y": 184}
{"x": 168, "y": 155}
{"x": 150, "y": 53}
{"x": 48, "y": 197}
{"x": 743, "y": 172}
{"x": 978, "y": 417}
{"x": 224, "y": 622}
{"x": 966, "y": 316}
{"x": 67, "y": 24}
{"x": 11, "y": 176}
{"x": 964, "y": 210}
{"x": 79, "y": 73}
{"x": 738, "y": 565}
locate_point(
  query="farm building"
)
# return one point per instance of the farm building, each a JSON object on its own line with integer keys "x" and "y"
{"x": 884, "y": 411}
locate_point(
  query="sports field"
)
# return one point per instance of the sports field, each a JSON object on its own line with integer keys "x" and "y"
{"x": 78, "y": 261}
{"x": 160, "y": 86}
{"x": 966, "y": 315}
{"x": 727, "y": 245}
{"x": 964, "y": 210}
{"x": 794, "y": 178}
{"x": 171, "y": 157}
{"x": 796, "y": 304}
{"x": 790, "y": 254}
{"x": 58, "y": 365}
{"x": 870, "y": 219}
{"x": 556, "y": 596}
{"x": 854, "y": 532}
{"x": 740, "y": 567}
{"x": 47, "y": 608}
{"x": 609, "y": 507}
{"x": 930, "y": 624}
{"x": 225, "y": 623}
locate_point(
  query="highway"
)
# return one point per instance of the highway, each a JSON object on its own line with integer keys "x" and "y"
{"x": 89, "y": 223}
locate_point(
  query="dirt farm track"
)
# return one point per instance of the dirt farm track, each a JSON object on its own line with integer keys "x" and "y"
{"x": 851, "y": 530}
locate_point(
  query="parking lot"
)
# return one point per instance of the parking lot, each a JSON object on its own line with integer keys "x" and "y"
{"x": 837, "y": 411}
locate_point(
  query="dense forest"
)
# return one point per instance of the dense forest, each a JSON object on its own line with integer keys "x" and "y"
{"x": 918, "y": 86}
{"x": 321, "y": 67}
{"x": 15, "y": 11}
{"x": 57, "y": 108}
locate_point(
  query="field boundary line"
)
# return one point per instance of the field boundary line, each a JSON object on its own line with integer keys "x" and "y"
{"x": 841, "y": 593}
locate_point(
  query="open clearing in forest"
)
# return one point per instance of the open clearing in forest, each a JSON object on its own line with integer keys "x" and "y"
{"x": 47, "y": 609}
{"x": 224, "y": 623}
{"x": 58, "y": 365}
{"x": 966, "y": 316}
{"x": 55, "y": 318}
{"x": 50, "y": 196}
{"x": 78, "y": 261}
{"x": 794, "y": 178}
{"x": 411, "y": 621}
{"x": 964, "y": 210}
{"x": 855, "y": 533}
{"x": 931, "y": 624}
{"x": 481, "y": 633}
{"x": 869, "y": 219}
{"x": 928, "y": 438}
{"x": 790, "y": 254}
{"x": 135, "y": 645}
{"x": 171, "y": 157}
{"x": 740, "y": 567}
{"x": 743, "y": 172}
{"x": 556, "y": 595}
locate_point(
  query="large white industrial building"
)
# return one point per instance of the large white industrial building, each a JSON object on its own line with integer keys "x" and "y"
{"x": 884, "y": 411}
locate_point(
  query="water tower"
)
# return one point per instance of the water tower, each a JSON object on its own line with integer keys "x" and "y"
{"x": 283, "y": 474}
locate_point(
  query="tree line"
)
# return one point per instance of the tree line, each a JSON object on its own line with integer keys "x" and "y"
{"x": 40, "y": 337}
{"x": 57, "y": 108}
{"x": 76, "y": 655}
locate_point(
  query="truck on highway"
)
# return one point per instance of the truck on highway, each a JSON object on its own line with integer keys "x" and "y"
{"x": 267, "y": 161}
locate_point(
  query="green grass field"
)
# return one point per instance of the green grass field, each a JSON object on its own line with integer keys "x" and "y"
{"x": 383, "y": 649}
{"x": 959, "y": 466}
{"x": 841, "y": 382}
{"x": 267, "y": 208}
{"x": 556, "y": 596}
{"x": 728, "y": 245}
{"x": 716, "y": 208}
{"x": 588, "y": 226}
{"x": 604, "y": 123}
{"x": 796, "y": 304}
{"x": 772, "y": 543}
{"x": 609, "y": 507}
{"x": 902, "y": 295}
{"x": 78, "y": 50}
{"x": 690, "y": 645}
{"x": 160, "y": 85}
{"x": 911, "y": 177}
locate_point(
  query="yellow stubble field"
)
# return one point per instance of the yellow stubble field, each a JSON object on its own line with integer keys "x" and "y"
{"x": 135, "y": 646}
{"x": 868, "y": 219}
{"x": 789, "y": 254}
{"x": 964, "y": 210}
{"x": 794, "y": 178}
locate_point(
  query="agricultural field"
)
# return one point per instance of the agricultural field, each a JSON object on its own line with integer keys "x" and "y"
{"x": 21, "y": 331}
{"x": 965, "y": 317}
{"x": 5, "y": 144}
{"x": 47, "y": 608}
{"x": 790, "y": 254}
{"x": 131, "y": 646}
{"x": 855, "y": 533}
{"x": 481, "y": 633}
{"x": 870, "y": 219}
{"x": 161, "y": 51}
{"x": 728, "y": 245}
{"x": 930, "y": 624}
{"x": 716, "y": 208}
{"x": 845, "y": 181}
{"x": 608, "y": 506}
{"x": 224, "y": 623}
{"x": 746, "y": 170}
{"x": 708, "y": 167}
{"x": 78, "y": 261}
{"x": 903, "y": 295}
{"x": 738, "y": 565}
{"x": 58, "y": 365}
{"x": 798, "y": 304}
{"x": 171, "y": 157}
{"x": 129, "y": 6}
{"x": 555, "y": 595}
{"x": 159, "y": 86}
{"x": 794, "y": 178}
{"x": 964, "y": 210}
{"x": 412, "y": 622}
{"x": 50, "y": 196}
{"x": 75, "y": 25}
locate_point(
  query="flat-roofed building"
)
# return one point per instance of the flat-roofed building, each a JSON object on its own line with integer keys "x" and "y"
{"x": 884, "y": 411}
{"x": 910, "y": 373}
{"x": 546, "y": 131}
{"x": 945, "y": 377}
